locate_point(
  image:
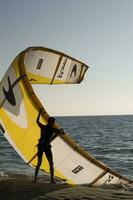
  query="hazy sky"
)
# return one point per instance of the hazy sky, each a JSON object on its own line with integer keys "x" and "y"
{"x": 98, "y": 32}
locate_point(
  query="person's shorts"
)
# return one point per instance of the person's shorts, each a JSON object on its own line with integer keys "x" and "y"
{"x": 44, "y": 149}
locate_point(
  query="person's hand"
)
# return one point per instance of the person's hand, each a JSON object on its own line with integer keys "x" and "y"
{"x": 41, "y": 110}
{"x": 62, "y": 131}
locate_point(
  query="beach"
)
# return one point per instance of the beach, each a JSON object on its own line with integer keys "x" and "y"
{"x": 23, "y": 189}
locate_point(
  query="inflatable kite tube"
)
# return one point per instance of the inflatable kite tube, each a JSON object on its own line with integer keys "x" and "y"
{"x": 19, "y": 107}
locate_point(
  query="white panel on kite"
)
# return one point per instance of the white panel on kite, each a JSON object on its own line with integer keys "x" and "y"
{"x": 41, "y": 63}
{"x": 72, "y": 164}
{"x": 61, "y": 150}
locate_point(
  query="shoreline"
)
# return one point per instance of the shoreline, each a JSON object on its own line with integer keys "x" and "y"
{"x": 23, "y": 189}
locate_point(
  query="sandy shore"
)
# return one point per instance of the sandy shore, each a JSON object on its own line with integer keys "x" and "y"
{"x": 23, "y": 189}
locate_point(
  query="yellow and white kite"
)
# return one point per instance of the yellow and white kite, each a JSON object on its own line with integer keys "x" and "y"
{"x": 19, "y": 107}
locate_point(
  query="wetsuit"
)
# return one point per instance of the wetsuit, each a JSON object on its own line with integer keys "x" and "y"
{"x": 44, "y": 141}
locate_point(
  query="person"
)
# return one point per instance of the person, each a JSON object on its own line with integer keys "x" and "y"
{"x": 48, "y": 133}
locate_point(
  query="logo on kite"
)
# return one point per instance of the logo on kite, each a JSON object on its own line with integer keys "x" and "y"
{"x": 62, "y": 69}
{"x": 73, "y": 72}
{"x": 109, "y": 179}
{"x": 9, "y": 95}
{"x": 77, "y": 169}
{"x": 39, "y": 64}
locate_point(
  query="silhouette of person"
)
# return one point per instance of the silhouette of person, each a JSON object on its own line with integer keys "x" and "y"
{"x": 48, "y": 133}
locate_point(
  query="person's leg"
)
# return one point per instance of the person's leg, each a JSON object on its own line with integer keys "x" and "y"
{"x": 38, "y": 167}
{"x": 51, "y": 165}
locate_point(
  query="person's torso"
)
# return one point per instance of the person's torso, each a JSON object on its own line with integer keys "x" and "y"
{"x": 46, "y": 134}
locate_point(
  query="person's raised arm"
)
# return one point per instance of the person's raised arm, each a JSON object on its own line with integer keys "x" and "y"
{"x": 38, "y": 117}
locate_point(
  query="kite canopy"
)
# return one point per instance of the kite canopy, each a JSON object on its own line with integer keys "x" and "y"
{"x": 19, "y": 107}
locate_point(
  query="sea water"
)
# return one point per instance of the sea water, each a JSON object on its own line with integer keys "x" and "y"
{"x": 108, "y": 138}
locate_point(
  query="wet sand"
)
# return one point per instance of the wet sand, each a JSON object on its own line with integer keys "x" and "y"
{"x": 23, "y": 189}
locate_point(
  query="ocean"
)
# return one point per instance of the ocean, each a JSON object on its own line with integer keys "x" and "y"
{"x": 108, "y": 138}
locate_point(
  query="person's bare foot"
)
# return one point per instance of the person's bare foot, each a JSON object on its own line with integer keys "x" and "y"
{"x": 53, "y": 181}
{"x": 34, "y": 180}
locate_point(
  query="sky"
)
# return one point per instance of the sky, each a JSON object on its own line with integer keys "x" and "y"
{"x": 97, "y": 32}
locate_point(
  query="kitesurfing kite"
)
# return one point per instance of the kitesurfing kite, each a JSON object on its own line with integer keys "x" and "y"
{"x": 19, "y": 107}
